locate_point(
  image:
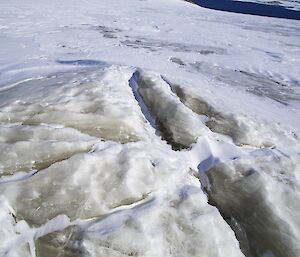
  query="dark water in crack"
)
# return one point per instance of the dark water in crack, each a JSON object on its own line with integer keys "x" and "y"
{"x": 249, "y": 8}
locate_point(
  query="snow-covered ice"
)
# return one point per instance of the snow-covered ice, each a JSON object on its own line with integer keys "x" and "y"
{"x": 147, "y": 128}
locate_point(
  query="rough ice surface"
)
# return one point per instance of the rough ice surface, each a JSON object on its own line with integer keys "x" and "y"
{"x": 289, "y": 4}
{"x": 147, "y": 128}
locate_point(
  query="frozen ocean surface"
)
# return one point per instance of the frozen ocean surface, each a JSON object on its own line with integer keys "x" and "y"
{"x": 152, "y": 128}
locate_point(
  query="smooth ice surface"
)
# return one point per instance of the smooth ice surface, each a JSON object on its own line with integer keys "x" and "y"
{"x": 147, "y": 128}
